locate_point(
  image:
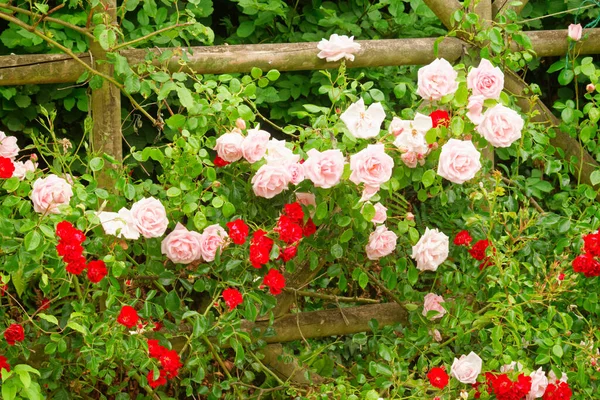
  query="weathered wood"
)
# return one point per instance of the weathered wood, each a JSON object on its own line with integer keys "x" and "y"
{"x": 106, "y": 107}
{"x": 444, "y": 9}
{"x": 333, "y": 322}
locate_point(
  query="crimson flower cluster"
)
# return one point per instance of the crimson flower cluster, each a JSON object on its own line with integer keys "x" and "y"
{"x": 71, "y": 250}
{"x": 128, "y": 317}
{"x": 438, "y": 377}
{"x": 477, "y": 251}
{"x": 232, "y": 297}
{"x": 14, "y": 333}
{"x": 504, "y": 389}
{"x": 440, "y": 117}
{"x": 219, "y": 162}
{"x": 4, "y": 364}
{"x": 169, "y": 362}
{"x": 557, "y": 391}
{"x": 587, "y": 262}
{"x": 7, "y": 168}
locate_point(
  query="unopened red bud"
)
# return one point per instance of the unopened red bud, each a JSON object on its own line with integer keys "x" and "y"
{"x": 33, "y": 157}
{"x": 434, "y": 146}
{"x": 561, "y": 277}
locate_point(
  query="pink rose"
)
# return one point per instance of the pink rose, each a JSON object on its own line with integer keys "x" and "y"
{"x": 409, "y": 159}
{"x": 432, "y": 302}
{"x": 413, "y": 138}
{"x": 437, "y": 336}
{"x": 371, "y": 166}
{"x": 119, "y": 224}
{"x": 431, "y": 250}
{"x": 325, "y": 168}
{"x": 368, "y": 192}
{"x": 150, "y": 217}
{"x": 270, "y": 180}
{"x": 240, "y": 124}
{"x": 381, "y": 243}
{"x": 539, "y": 383}
{"x": 506, "y": 368}
{"x": 475, "y": 107}
{"x": 398, "y": 126}
{"x": 278, "y": 154}
{"x": 8, "y": 146}
{"x": 590, "y": 87}
{"x": 308, "y": 200}
{"x": 255, "y": 144}
{"x": 466, "y": 369}
{"x": 21, "y": 168}
{"x": 459, "y": 161}
{"x": 296, "y": 172}
{"x": 380, "y": 214}
{"x": 486, "y": 80}
{"x": 338, "y": 47}
{"x": 229, "y": 146}
{"x": 49, "y": 193}
{"x": 182, "y": 246}
{"x": 363, "y": 122}
{"x": 501, "y": 126}
{"x": 437, "y": 80}
{"x": 575, "y": 31}
{"x": 213, "y": 238}
{"x": 552, "y": 378}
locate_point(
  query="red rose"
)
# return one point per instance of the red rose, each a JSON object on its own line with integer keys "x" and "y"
{"x": 69, "y": 234}
{"x": 274, "y": 281}
{"x": 69, "y": 251}
{"x": 155, "y": 350}
{"x": 4, "y": 364}
{"x": 288, "y": 253}
{"x": 289, "y": 231}
{"x": 161, "y": 380}
{"x": 96, "y": 271}
{"x": 238, "y": 231}
{"x": 309, "y": 228}
{"x": 14, "y": 333}
{"x": 6, "y": 168}
{"x": 587, "y": 265}
{"x": 438, "y": 377}
{"x": 505, "y": 389}
{"x": 478, "y": 249}
{"x": 557, "y": 391}
{"x": 232, "y": 298}
{"x": 440, "y": 117}
{"x": 294, "y": 211}
{"x": 45, "y": 304}
{"x": 157, "y": 326}
{"x": 219, "y": 162}
{"x": 463, "y": 238}
{"x": 76, "y": 267}
{"x": 260, "y": 249}
{"x": 591, "y": 244}
{"x": 3, "y": 289}
{"x": 169, "y": 360}
{"x": 128, "y": 317}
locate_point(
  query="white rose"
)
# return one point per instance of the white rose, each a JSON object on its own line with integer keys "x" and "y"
{"x": 466, "y": 369}
{"x": 363, "y": 122}
{"x": 431, "y": 250}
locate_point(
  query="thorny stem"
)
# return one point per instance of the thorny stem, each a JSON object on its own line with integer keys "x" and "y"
{"x": 335, "y": 298}
{"x": 148, "y": 36}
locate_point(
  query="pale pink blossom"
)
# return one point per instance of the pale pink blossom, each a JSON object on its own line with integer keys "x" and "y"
{"x": 371, "y": 166}
{"x": 411, "y": 138}
{"x": 437, "y": 80}
{"x": 270, "y": 180}
{"x": 575, "y": 31}
{"x": 475, "y": 108}
{"x": 466, "y": 369}
{"x": 338, "y": 47}
{"x": 212, "y": 239}
{"x": 506, "y": 368}
{"x": 410, "y": 216}
{"x": 49, "y": 193}
{"x": 486, "y": 80}
{"x": 552, "y": 378}
{"x": 397, "y": 126}
{"x": 431, "y": 250}
{"x": 278, "y": 154}
{"x": 119, "y": 224}
{"x": 368, "y": 192}
{"x": 433, "y": 302}
{"x": 437, "y": 336}
{"x": 150, "y": 217}
{"x": 8, "y": 146}
{"x": 255, "y": 144}
{"x": 182, "y": 246}
{"x": 459, "y": 161}
{"x": 380, "y": 214}
{"x": 362, "y": 122}
{"x": 296, "y": 173}
{"x": 501, "y": 126}
{"x": 308, "y": 200}
{"x": 240, "y": 124}
{"x": 381, "y": 243}
{"x": 539, "y": 383}
{"x": 324, "y": 169}
{"x": 229, "y": 146}
{"x": 410, "y": 159}
{"x": 21, "y": 168}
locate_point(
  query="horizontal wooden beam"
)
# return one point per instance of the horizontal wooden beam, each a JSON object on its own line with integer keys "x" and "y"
{"x": 59, "y": 68}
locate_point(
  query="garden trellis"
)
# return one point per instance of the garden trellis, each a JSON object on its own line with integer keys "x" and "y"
{"x": 106, "y": 114}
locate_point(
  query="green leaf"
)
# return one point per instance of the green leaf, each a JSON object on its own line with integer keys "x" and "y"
{"x": 321, "y": 211}
{"x": 96, "y": 164}
{"x": 228, "y": 209}
{"x": 22, "y": 101}
{"x": 565, "y": 77}
{"x": 363, "y": 280}
{"x": 346, "y": 236}
{"x": 595, "y": 177}
{"x": 176, "y": 121}
{"x": 245, "y": 29}
{"x": 428, "y": 177}
{"x": 557, "y": 66}
{"x": 173, "y": 192}
{"x": 172, "y": 302}
{"x": 337, "y": 251}
{"x": 273, "y": 75}
{"x": 413, "y": 275}
{"x": 50, "y": 318}
{"x": 25, "y": 378}
{"x": 32, "y": 240}
{"x": 557, "y": 350}
{"x": 77, "y": 327}
{"x": 256, "y": 72}
{"x": 185, "y": 97}
{"x": 9, "y": 391}
{"x": 368, "y": 211}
